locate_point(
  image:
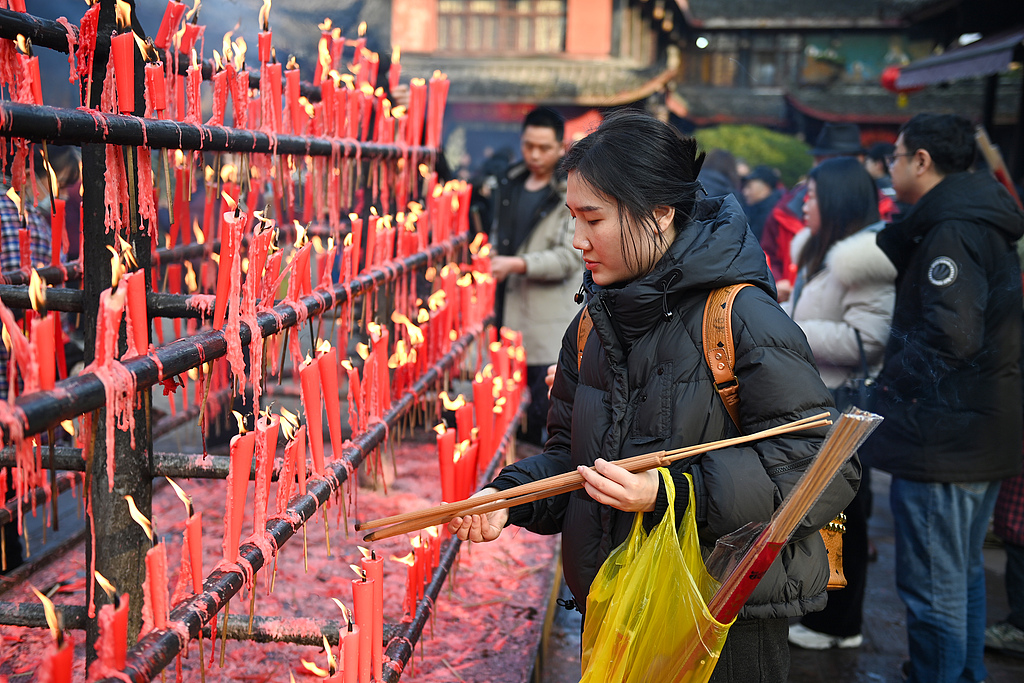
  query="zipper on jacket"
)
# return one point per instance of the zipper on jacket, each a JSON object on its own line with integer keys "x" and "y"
{"x": 788, "y": 467}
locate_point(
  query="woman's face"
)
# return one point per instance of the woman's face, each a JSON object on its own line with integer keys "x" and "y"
{"x": 812, "y": 217}
{"x": 598, "y": 233}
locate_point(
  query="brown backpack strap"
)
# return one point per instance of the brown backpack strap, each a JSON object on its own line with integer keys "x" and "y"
{"x": 719, "y": 347}
{"x": 582, "y": 332}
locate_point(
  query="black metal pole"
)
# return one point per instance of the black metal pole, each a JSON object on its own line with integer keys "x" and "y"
{"x": 76, "y": 395}
{"x": 74, "y": 126}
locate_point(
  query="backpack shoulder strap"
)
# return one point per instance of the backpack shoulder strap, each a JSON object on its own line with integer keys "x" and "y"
{"x": 582, "y": 332}
{"x": 719, "y": 347}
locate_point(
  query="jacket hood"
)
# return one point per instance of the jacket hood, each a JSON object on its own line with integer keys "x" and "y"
{"x": 715, "y": 249}
{"x": 970, "y": 197}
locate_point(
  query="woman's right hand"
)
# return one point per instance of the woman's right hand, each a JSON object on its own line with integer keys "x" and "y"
{"x": 479, "y": 528}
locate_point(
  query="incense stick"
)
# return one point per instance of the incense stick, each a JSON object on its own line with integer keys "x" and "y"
{"x": 561, "y": 483}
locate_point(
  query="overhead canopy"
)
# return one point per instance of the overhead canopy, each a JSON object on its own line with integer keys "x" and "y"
{"x": 985, "y": 57}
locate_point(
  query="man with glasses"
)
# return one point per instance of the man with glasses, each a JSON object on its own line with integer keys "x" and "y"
{"x": 950, "y": 387}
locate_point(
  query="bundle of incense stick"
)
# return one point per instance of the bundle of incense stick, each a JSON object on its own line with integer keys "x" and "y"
{"x": 562, "y": 483}
{"x": 850, "y": 431}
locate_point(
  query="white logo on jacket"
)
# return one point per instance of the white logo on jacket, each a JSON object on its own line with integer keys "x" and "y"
{"x": 942, "y": 272}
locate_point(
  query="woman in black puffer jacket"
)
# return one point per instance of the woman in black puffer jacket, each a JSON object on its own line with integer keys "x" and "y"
{"x": 653, "y": 252}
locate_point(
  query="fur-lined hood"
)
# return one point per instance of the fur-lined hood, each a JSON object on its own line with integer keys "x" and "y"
{"x": 855, "y": 261}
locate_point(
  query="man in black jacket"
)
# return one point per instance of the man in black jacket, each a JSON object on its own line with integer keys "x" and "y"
{"x": 950, "y": 387}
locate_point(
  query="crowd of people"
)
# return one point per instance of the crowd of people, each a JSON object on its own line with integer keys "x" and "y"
{"x": 897, "y": 271}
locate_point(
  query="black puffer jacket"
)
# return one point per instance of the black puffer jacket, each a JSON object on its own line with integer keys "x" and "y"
{"x": 951, "y": 385}
{"x": 644, "y": 385}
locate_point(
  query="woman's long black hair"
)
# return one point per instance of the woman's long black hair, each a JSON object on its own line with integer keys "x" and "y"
{"x": 847, "y": 203}
{"x": 640, "y": 163}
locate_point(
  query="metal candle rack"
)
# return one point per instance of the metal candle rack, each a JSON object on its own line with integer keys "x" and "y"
{"x": 119, "y": 547}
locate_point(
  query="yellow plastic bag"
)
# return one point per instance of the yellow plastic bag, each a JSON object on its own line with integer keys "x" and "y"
{"x": 647, "y": 615}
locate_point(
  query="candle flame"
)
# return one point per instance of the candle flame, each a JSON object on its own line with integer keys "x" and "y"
{"x": 191, "y": 283}
{"x": 423, "y": 317}
{"x": 346, "y": 364}
{"x": 225, "y": 43}
{"x": 289, "y": 423}
{"x": 314, "y": 669}
{"x": 323, "y": 346}
{"x": 116, "y": 271}
{"x": 433, "y": 532}
{"x": 400, "y": 357}
{"x": 194, "y": 11}
{"x": 107, "y": 587}
{"x": 239, "y": 50}
{"x": 218, "y": 62}
{"x": 36, "y": 291}
{"x": 436, "y": 300}
{"x": 128, "y": 252}
{"x": 465, "y": 281}
{"x": 396, "y": 54}
{"x": 332, "y": 662}
{"x": 301, "y": 234}
{"x": 13, "y": 196}
{"x": 478, "y": 241}
{"x": 374, "y": 330}
{"x": 416, "y": 542}
{"x": 240, "y": 419}
{"x": 182, "y": 496}
{"x": 408, "y": 560}
{"x": 123, "y": 14}
{"x": 229, "y": 200}
{"x": 358, "y": 570}
{"x": 6, "y": 338}
{"x": 291, "y": 64}
{"x": 324, "y": 54}
{"x": 363, "y": 350}
{"x": 361, "y": 31}
{"x": 53, "y": 619}
{"x": 24, "y": 45}
{"x": 265, "y": 15}
{"x": 344, "y": 611}
{"x": 440, "y": 429}
{"x": 414, "y": 332}
{"x": 140, "y": 518}
{"x": 68, "y": 426}
{"x": 450, "y": 404}
{"x": 194, "y": 59}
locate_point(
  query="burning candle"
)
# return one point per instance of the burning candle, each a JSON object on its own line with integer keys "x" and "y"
{"x": 350, "y": 653}
{"x": 194, "y": 540}
{"x": 242, "y": 448}
{"x": 137, "y": 312}
{"x": 483, "y": 403}
{"x": 292, "y": 94}
{"x": 395, "y": 72}
{"x": 112, "y": 645}
{"x": 156, "y": 87}
{"x": 265, "y": 41}
{"x": 42, "y": 348}
{"x": 309, "y": 376}
{"x": 446, "y": 458}
{"x": 362, "y": 609}
{"x": 123, "y": 48}
{"x": 327, "y": 362}
{"x": 154, "y": 588}
{"x": 267, "y": 430}
{"x": 56, "y": 231}
{"x": 373, "y": 566}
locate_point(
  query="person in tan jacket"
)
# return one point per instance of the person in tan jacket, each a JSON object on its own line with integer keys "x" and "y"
{"x": 536, "y": 266}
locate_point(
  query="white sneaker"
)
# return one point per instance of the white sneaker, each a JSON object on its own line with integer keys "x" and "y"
{"x": 1006, "y": 638}
{"x": 801, "y": 636}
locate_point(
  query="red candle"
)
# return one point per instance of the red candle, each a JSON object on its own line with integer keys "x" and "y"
{"x": 266, "y": 450}
{"x": 42, "y": 347}
{"x": 350, "y": 653}
{"x": 156, "y": 87}
{"x": 463, "y": 421}
{"x": 362, "y": 608}
{"x": 113, "y": 626}
{"x": 409, "y": 606}
{"x": 189, "y": 37}
{"x": 292, "y": 94}
{"x": 169, "y": 24}
{"x": 483, "y": 403}
{"x": 155, "y": 585}
{"x": 30, "y": 72}
{"x": 374, "y": 568}
{"x": 328, "y": 371}
{"x": 265, "y": 41}
{"x": 228, "y": 247}
{"x": 309, "y": 375}
{"x": 297, "y": 448}
{"x": 220, "y": 97}
{"x": 446, "y": 457}
{"x": 242, "y": 448}
{"x": 194, "y": 541}
{"x": 273, "y": 72}
{"x": 395, "y": 72}
{"x": 137, "y": 312}
{"x": 57, "y": 666}
{"x": 56, "y": 231}
{"x": 123, "y": 48}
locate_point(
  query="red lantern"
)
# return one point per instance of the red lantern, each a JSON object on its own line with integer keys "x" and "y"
{"x": 890, "y": 75}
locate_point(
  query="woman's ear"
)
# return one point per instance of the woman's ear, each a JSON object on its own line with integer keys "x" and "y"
{"x": 664, "y": 216}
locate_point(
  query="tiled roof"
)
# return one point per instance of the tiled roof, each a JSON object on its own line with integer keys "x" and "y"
{"x": 797, "y": 13}
{"x": 555, "y": 80}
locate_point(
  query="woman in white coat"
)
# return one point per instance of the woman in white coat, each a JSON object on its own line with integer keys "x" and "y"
{"x": 844, "y": 290}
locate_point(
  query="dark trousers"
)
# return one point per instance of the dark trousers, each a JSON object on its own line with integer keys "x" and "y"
{"x": 842, "y": 615}
{"x": 535, "y": 429}
{"x": 756, "y": 651}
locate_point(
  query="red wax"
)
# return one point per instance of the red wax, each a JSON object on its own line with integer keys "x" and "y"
{"x": 362, "y": 608}
{"x": 350, "y": 654}
{"x": 328, "y": 370}
{"x": 188, "y": 38}
{"x": 463, "y": 421}
{"x": 309, "y": 374}
{"x": 297, "y": 448}
{"x": 292, "y": 94}
{"x": 483, "y": 403}
{"x": 120, "y": 632}
{"x": 123, "y": 48}
{"x": 194, "y": 538}
{"x": 42, "y": 347}
{"x": 265, "y": 454}
{"x": 410, "y": 588}
{"x": 156, "y": 87}
{"x": 228, "y": 247}
{"x": 273, "y": 72}
{"x": 374, "y": 568}
{"x": 169, "y": 24}
{"x": 446, "y": 457}
{"x": 220, "y": 97}
{"x": 35, "y": 82}
{"x": 238, "y": 482}
{"x": 137, "y": 311}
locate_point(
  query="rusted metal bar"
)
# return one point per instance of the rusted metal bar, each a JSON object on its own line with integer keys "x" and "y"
{"x": 42, "y": 32}
{"x": 75, "y": 126}
{"x": 158, "y": 648}
{"x": 31, "y": 614}
{"x": 57, "y": 298}
{"x": 295, "y": 630}
{"x": 76, "y": 395}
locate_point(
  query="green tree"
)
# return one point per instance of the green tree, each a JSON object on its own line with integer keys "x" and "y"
{"x": 758, "y": 145}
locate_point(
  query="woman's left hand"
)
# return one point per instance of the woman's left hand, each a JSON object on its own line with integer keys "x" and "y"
{"x": 612, "y": 485}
